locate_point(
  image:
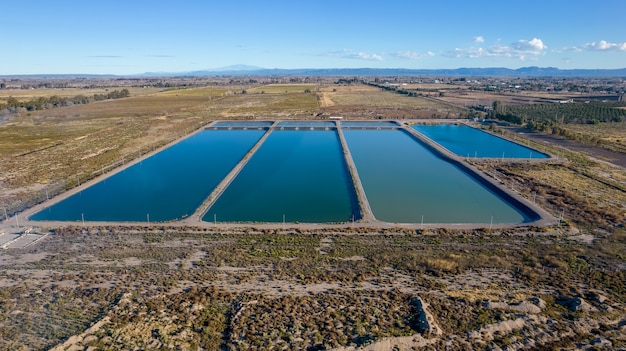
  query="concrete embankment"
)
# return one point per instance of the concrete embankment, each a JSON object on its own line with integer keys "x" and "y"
{"x": 366, "y": 211}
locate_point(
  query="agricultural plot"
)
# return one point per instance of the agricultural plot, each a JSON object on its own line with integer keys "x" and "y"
{"x": 283, "y": 88}
{"x": 371, "y": 96}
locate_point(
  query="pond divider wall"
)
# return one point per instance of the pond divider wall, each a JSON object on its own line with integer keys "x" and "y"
{"x": 365, "y": 211}
{"x": 221, "y": 187}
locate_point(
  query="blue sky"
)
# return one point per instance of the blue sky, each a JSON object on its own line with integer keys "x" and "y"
{"x": 131, "y": 37}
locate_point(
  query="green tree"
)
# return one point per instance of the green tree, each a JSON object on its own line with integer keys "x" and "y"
{"x": 497, "y": 107}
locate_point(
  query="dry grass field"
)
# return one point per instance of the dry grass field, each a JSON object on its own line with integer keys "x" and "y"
{"x": 361, "y": 95}
{"x": 612, "y": 134}
{"x": 283, "y": 88}
{"x": 157, "y": 286}
{"x": 360, "y": 101}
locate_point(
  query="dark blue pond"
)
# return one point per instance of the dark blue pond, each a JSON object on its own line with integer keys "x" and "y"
{"x": 168, "y": 185}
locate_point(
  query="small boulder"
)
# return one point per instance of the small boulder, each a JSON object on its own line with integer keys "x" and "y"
{"x": 574, "y": 304}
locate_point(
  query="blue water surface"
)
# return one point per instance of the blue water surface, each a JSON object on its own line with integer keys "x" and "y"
{"x": 405, "y": 182}
{"x": 168, "y": 185}
{"x": 466, "y": 141}
{"x": 300, "y": 174}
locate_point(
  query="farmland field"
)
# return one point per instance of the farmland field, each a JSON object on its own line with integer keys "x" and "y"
{"x": 371, "y": 96}
{"x": 283, "y": 88}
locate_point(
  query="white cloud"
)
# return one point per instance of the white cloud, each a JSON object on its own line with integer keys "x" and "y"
{"x": 520, "y": 49}
{"x": 411, "y": 55}
{"x": 602, "y": 45}
{"x": 534, "y": 45}
{"x": 479, "y": 39}
{"x": 347, "y": 53}
{"x": 365, "y": 56}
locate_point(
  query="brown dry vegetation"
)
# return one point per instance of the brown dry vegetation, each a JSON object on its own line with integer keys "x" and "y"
{"x": 246, "y": 289}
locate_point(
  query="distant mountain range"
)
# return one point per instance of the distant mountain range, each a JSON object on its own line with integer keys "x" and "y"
{"x": 243, "y": 70}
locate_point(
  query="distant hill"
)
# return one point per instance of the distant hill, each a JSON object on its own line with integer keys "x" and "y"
{"x": 242, "y": 70}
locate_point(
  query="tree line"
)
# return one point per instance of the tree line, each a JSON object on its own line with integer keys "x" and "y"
{"x": 42, "y": 103}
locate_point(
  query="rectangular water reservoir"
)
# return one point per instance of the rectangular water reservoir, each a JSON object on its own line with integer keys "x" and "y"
{"x": 466, "y": 141}
{"x": 300, "y": 175}
{"x": 405, "y": 182}
{"x": 166, "y": 186}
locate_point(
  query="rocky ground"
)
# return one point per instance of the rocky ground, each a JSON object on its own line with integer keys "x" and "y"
{"x": 136, "y": 288}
